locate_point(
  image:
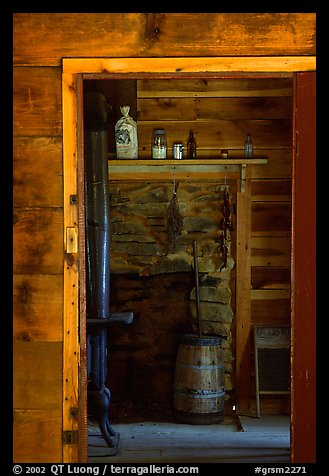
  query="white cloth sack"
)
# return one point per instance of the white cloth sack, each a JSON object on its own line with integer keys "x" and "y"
{"x": 126, "y": 136}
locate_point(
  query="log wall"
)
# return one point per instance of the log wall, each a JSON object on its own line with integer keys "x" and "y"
{"x": 41, "y": 41}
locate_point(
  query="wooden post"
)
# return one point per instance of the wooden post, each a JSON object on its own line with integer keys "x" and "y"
{"x": 71, "y": 354}
{"x": 243, "y": 292}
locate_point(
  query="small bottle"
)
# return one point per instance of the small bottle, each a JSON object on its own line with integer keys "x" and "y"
{"x": 248, "y": 147}
{"x": 191, "y": 146}
{"x": 159, "y": 144}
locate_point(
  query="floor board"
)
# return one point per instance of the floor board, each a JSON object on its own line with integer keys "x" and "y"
{"x": 262, "y": 440}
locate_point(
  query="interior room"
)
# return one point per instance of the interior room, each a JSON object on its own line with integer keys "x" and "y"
{"x": 152, "y": 269}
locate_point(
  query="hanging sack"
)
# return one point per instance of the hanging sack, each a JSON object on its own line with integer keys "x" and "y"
{"x": 126, "y": 136}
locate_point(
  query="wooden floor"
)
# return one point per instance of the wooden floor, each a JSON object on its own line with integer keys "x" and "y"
{"x": 262, "y": 440}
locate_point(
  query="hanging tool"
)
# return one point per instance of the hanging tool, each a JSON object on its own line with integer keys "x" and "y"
{"x": 174, "y": 218}
{"x": 225, "y": 225}
{"x": 197, "y": 289}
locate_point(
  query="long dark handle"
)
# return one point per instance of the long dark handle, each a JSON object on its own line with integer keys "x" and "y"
{"x": 197, "y": 290}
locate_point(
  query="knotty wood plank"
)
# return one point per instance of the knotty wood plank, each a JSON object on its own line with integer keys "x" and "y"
{"x": 214, "y": 88}
{"x": 38, "y": 436}
{"x": 243, "y": 108}
{"x": 165, "y": 109}
{"x": 269, "y": 217}
{"x": 220, "y": 134}
{"x": 272, "y": 405}
{"x": 272, "y": 294}
{"x": 61, "y": 35}
{"x": 277, "y": 190}
{"x": 265, "y": 277}
{"x": 37, "y": 241}
{"x": 270, "y": 311}
{"x": 38, "y": 172}
{"x": 278, "y": 165}
{"x": 38, "y": 307}
{"x": 37, "y": 101}
{"x": 270, "y": 251}
{"x": 37, "y": 375}
{"x": 183, "y": 66}
{"x": 190, "y": 109}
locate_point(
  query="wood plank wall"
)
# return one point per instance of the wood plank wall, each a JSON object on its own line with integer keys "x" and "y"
{"x": 220, "y": 113}
{"x": 61, "y": 35}
{"x": 38, "y": 265}
{"x": 41, "y": 41}
{"x": 270, "y": 249}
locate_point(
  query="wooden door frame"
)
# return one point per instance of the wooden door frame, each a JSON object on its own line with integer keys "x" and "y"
{"x": 73, "y": 69}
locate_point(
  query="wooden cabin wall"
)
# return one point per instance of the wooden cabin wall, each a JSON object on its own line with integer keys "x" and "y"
{"x": 220, "y": 112}
{"x": 41, "y": 41}
{"x": 271, "y": 190}
{"x": 38, "y": 264}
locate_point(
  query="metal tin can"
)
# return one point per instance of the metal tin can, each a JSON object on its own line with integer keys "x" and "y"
{"x": 177, "y": 150}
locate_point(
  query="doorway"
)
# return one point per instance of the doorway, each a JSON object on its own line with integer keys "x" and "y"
{"x": 220, "y": 112}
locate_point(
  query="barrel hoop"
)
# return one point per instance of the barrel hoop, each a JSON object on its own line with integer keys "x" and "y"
{"x": 200, "y": 394}
{"x": 190, "y": 339}
{"x": 200, "y": 367}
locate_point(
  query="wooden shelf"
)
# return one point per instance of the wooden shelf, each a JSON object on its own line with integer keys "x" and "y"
{"x": 179, "y": 162}
{"x": 164, "y": 170}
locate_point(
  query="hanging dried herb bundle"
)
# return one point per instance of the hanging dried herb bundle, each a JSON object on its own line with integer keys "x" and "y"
{"x": 225, "y": 225}
{"x": 174, "y": 219}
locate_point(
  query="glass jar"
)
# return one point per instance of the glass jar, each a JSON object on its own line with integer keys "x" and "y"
{"x": 159, "y": 144}
{"x": 248, "y": 147}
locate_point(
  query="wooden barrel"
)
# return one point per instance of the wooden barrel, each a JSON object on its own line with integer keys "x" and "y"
{"x": 199, "y": 381}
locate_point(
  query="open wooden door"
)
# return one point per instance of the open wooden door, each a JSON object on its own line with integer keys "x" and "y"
{"x": 303, "y": 272}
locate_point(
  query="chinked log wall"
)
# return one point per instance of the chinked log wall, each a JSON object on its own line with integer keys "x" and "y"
{"x": 40, "y": 42}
